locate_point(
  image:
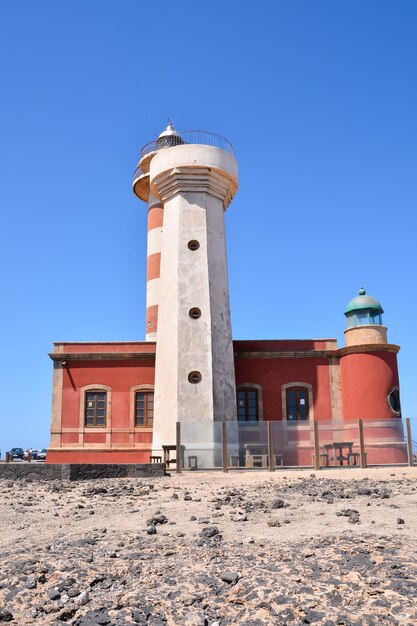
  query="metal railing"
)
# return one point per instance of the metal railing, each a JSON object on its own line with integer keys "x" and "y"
{"x": 188, "y": 137}
{"x": 138, "y": 172}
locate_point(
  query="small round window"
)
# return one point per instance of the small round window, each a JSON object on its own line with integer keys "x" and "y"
{"x": 394, "y": 401}
{"x": 194, "y": 377}
{"x": 195, "y": 313}
{"x": 193, "y": 244}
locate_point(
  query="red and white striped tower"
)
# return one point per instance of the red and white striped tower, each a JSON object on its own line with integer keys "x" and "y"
{"x": 155, "y": 226}
{"x": 153, "y": 265}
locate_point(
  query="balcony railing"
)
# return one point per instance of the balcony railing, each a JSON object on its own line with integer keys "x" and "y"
{"x": 187, "y": 137}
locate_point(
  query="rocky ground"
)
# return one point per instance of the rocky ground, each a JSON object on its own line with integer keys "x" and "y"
{"x": 327, "y": 548}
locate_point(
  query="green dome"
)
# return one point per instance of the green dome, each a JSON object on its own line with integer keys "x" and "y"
{"x": 362, "y": 301}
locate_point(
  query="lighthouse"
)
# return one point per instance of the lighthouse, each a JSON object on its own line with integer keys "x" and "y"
{"x": 188, "y": 180}
{"x": 134, "y": 401}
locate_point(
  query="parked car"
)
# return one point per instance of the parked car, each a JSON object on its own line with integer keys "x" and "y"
{"x": 17, "y": 453}
{"x": 41, "y": 454}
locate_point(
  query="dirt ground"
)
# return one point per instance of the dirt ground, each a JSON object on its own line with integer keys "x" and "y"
{"x": 204, "y": 548}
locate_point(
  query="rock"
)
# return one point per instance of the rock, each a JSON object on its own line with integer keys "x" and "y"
{"x": 229, "y": 577}
{"x": 278, "y": 504}
{"x": 53, "y": 593}
{"x": 400, "y": 520}
{"x": 384, "y": 493}
{"x": 151, "y": 530}
{"x": 112, "y": 554}
{"x": 157, "y": 519}
{"x": 139, "y": 617}
{"x": 352, "y": 514}
{"x": 273, "y": 522}
{"x": 209, "y": 536}
{"x": 73, "y": 592}
{"x": 83, "y": 598}
{"x": 98, "y": 617}
{"x": 209, "y": 531}
{"x": 5, "y": 616}
{"x": 194, "y": 618}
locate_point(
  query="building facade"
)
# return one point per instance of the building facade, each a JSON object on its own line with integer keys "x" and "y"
{"x": 120, "y": 402}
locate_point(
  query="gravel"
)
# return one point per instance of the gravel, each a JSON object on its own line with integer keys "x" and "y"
{"x": 329, "y": 555}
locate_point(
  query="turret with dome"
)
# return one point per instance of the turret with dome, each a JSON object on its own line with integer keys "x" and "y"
{"x": 363, "y": 310}
{"x": 364, "y": 320}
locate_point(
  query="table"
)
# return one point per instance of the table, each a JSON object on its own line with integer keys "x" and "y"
{"x": 167, "y": 455}
{"x": 256, "y": 455}
{"x": 338, "y": 448}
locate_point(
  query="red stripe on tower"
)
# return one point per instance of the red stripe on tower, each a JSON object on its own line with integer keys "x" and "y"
{"x": 155, "y": 223}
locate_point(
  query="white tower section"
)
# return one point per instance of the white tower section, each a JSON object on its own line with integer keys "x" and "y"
{"x": 194, "y": 377}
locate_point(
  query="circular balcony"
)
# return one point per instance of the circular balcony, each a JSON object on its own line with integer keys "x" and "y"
{"x": 178, "y": 138}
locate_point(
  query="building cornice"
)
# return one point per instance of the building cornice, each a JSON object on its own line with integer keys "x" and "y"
{"x": 101, "y": 356}
{"x": 103, "y": 343}
{"x": 285, "y": 354}
{"x": 368, "y": 347}
{"x": 303, "y": 354}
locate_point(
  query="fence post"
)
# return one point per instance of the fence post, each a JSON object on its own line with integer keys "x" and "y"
{"x": 224, "y": 447}
{"x": 7, "y": 457}
{"x": 271, "y": 458}
{"x": 409, "y": 442}
{"x": 362, "y": 458}
{"x": 317, "y": 464}
{"x": 178, "y": 447}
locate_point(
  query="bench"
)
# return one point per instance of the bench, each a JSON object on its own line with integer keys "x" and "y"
{"x": 324, "y": 459}
{"x": 354, "y": 458}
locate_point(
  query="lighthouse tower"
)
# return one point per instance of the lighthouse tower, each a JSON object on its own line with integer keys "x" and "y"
{"x": 188, "y": 179}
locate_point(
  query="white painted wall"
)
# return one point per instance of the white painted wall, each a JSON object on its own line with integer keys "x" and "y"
{"x": 195, "y": 183}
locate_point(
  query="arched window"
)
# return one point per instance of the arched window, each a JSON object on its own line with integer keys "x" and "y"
{"x": 297, "y": 404}
{"x": 141, "y": 406}
{"x": 144, "y": 401}
{"x": 247, "y": 405}
{"x": 95, "y": 408}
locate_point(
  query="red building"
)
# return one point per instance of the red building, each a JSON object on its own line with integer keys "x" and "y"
{"x": 103, "y": 394}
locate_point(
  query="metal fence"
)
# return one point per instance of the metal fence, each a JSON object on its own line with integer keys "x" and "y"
{"x": 278, "y": 444}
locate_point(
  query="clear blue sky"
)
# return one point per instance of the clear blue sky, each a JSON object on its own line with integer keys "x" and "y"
{"x": 319, "y": 99}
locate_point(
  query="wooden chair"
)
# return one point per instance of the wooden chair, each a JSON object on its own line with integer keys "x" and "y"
{"x": 324, "y": 459}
